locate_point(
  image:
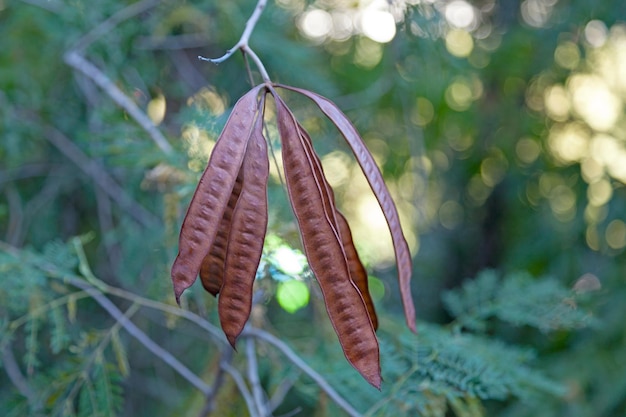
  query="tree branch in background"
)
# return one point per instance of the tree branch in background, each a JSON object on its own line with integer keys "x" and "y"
{"x": 243, "y": 389}
{"x": 99, "y": 175}
{"x": 243, "y": 43}
{"x": 76, "y": 60}
{"x": 216, "y": 335}
{"x": 258, "y": 395}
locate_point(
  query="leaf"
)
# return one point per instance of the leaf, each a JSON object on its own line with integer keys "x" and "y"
{"x": 212, "y": 268}
{"x": 245, "y": 246}
{"x": 210, "y": 200}
{"x": 375, "y": 179}
{"x": 358, "y": 274}
{"x": 323, "y": 249}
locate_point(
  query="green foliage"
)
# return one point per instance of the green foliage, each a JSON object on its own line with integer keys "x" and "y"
{"x": 519, "y": 299}
{"x": 471, "y": 146}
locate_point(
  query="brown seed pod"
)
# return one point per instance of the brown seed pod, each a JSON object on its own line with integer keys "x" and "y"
{"x": 375, "y": 179}
{"x": 323, "y": 248}
{"x": 212, "y": 268}
{"x": 249, "y": 224}
{"x": 209, "y": 202}
{"x": 358, "y": 274}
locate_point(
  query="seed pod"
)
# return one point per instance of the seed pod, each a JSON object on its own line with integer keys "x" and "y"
{"x": 375, "y": 179}
{"x": 212, "y": 268}
{"x": 209, "y": 202}
{"x": 358, "y": 274}
{"x": 324, "y": 252}
{"x": 249, "y": 224}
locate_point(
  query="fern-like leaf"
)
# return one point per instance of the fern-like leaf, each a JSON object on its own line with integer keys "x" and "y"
{"x": 518, "y": 299}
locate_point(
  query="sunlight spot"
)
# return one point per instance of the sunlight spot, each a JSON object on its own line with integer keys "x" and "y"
{"x": 527, "y": 150}
{"x": 557, "y": 103}
{"x": 156, "y": 109}
{"x": 423, "y": 113}
{"x": 477, "y": 190}
{"x": 537, "y": 12}
{"x": 368, "y": 53}
{"x": 459, "y": 43}
{"x": 450, "y": 214}
{"x": 493, "y": 169}
{"x": 343, "y": 26}
{"x": 616, "y": 234}
{"x": 605, "y": 149}
{"x": 591, "y": 170}
{"x": 563, "y": 203}
{"x": 289, "y": 261}
{"x": 460, "y": 14}
{"x": 378, "y": 25}
{"x": 567, "y": 55}
{"x": 459, "y": 95}
{"x": 595, "y": 214}
{"x": 599, "y": 192}
{"x": 596, "y": 33}
{"x": 592, "y": 238}
{"x": 569, "y": 142}
{"x": 594, "y": 102}
{"x": 336, "y": 168}
{"x": 292, "y": 295}
{"x": 316, "y": 24}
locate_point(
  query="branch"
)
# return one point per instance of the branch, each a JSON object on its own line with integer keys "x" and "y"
{"x": 118, "y": 315}
{"x": 19, "y": 381}
{"x": 243, "y": 389}
{"x": 78, "y": 62}
{"x": 99, "y": 175}
{"x": 253, "y": 376}
{"x": 296, "y": 360}
{"x": 248, "y": 331}
{"x": 243, "y": 43}
{"x": 110, "y": 23}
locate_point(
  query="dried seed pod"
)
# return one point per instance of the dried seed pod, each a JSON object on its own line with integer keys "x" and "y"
{"x": 375, "y": 179}
{"x": 212, "y": 268}
{"x": 358, "y": 274}
{"x": 209, "y": 202}
{"x": 323, "y": 248}
{"x": 249, "y": 224}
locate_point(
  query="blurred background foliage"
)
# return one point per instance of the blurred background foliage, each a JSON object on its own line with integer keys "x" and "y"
{"x": 499, "y": 126}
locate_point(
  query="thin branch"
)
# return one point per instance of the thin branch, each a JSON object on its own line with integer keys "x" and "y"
{"x": 110, "y": 23}
{"x": 78, "y": 62}
{"x": 141, "y": 337}
{"x": 99, "y": 175}
{"x": 243, "y": 43}
{"x": 249, "y": 331}
{"x": 296, "y": 360}
{"x": 281, "y": 391}
{"x": 243, "y": 389}
{"x": 17, "y": 378}
{"x": 253, "y": 377}
{"x": 209, "y": 406}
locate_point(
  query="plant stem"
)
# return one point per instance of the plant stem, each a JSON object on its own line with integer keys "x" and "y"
{"x": 243, "y": 43}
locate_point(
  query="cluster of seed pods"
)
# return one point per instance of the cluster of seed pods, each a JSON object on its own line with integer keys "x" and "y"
{"x": 222, "y": 235}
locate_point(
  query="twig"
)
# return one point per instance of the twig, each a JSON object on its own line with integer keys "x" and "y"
{"x": 141, "y": 337}
{"x": 243, "y": 389}
{"x": 78, "y": 62}
{"x": 253, "y": 376}
{"x": 19, "y": 381}
{"x": 248, "y": 331}
{"x": 99, "y": 176}
{"x": 293, "y": 357}
{"x": 243, "y": 43}
{"x": 281, "y": 392}
{"x": 107, "y": 25}
{"x": 209, "y": 406}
